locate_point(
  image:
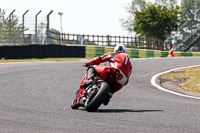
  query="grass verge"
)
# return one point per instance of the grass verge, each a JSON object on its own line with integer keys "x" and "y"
{"x": 187, "y": 78}
{"x": 43, "y": 59}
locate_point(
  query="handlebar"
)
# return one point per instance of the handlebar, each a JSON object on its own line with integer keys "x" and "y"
{"x": 86, "y": 64}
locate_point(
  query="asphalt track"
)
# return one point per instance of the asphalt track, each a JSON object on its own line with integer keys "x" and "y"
{"x": 36, "y": 97}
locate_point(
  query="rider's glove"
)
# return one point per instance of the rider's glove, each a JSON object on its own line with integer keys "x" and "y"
{"x": 86, "y": 64}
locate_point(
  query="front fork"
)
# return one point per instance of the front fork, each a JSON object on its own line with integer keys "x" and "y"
{"x": 80, "y": 96}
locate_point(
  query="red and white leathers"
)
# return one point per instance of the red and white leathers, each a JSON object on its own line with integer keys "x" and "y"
{"x": 118, "y": 60}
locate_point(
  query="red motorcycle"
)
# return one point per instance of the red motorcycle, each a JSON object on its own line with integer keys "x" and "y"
{"x": 97, "y": 92}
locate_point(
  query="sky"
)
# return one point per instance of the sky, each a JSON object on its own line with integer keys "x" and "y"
{"x": 98, "y": 17}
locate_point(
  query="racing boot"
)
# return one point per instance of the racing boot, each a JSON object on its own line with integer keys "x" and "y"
{"x": 87, "y": 83}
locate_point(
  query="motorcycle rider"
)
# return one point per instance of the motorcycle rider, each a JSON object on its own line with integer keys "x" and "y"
{"x": 118, "y": 60}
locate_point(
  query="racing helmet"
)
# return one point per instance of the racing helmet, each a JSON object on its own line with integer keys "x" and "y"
{"x": 120, "y": 48}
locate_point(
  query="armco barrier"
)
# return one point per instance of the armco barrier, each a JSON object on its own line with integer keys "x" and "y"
{"x": 164, "y": 53}
{"x": 134, "y": 53}
{"x": 93, "y": 51}
{"x": 90, "y": 51}
{"x": 195, "y": 53}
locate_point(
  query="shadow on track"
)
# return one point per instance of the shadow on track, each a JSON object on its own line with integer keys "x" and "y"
{"x": 124, "y": 111}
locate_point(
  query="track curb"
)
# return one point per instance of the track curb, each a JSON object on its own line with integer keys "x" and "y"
{"x": 153, "y": 82}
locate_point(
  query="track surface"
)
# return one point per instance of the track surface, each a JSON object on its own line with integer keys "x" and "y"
{"x": 36, "y": 97}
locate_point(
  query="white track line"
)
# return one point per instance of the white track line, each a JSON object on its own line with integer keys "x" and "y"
{"x": 153, "y": 82}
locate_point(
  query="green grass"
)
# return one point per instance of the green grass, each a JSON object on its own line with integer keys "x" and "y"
{"x": 187, "y": 78}
{"x": 43, "y": 59}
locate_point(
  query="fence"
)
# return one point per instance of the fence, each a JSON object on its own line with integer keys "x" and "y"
{"x": 41, "y": 51}
{"x": 100, "y": 40}
{"x": 35, "y": 30}
{"x": 24, "y": 30}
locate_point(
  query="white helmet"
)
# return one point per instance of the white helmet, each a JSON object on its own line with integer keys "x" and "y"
{"x": 120, "y": 48}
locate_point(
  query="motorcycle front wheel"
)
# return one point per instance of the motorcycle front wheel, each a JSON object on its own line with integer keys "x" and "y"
{"x": 74, "y": 104}
{"x": 91, "y": 105}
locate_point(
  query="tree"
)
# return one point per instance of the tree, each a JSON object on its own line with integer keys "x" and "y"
{"x": 2, "y": 25}
{"x": 136, "y": 5}
{"x": 191, "y": 9}
{"x": 157, "y": 21}
{"x": 153, "y": 20}
{"x": 10, "y": 29}
{"x": 168, "y": 3}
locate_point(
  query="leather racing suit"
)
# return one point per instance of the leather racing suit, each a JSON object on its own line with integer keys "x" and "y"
{"x": 119, "y": 60}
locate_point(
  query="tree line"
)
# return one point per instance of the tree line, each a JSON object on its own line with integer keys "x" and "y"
{"x": 159, "y": 19}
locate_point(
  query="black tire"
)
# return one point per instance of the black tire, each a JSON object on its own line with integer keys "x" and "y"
{"x": 98, "y": 99}
{"x": 74, "y": 104}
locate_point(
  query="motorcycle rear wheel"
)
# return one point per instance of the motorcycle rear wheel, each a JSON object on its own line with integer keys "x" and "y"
{"x": 91, "y": 105}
